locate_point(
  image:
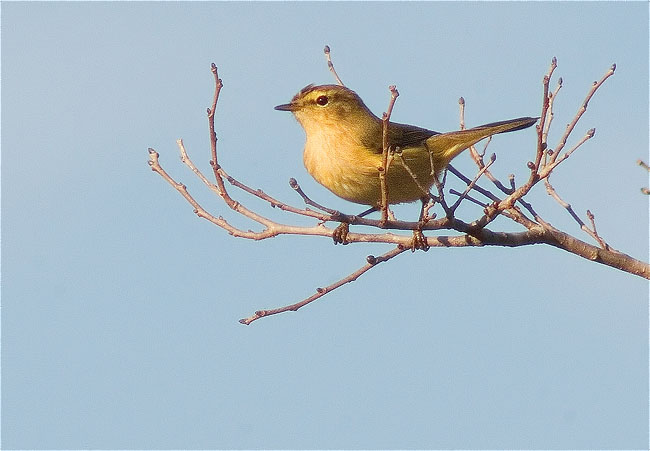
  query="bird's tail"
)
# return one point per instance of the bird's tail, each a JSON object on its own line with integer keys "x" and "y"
{"x": 446, "y": 146}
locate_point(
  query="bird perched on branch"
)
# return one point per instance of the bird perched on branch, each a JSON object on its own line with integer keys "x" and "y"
{"x": 344, "y": 147}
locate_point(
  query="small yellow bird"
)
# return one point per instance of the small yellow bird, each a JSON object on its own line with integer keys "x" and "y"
{"x": 343, "y": 148}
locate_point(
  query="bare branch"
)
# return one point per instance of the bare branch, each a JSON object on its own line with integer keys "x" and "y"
{"x": 372, "y": 261}
{"x": 330, "y": 65}
{"x": 555, "y": 161}
{"x": 591, "y": 232}
{"x": 218, "y": 84}
{"x": 581, "y": 111}
{"x": 473, "y": 182}
{"x": 294, "y": 184}
{"x": 549, "y": 118}
{"x": 385, "y": 151}
{"x": 474, "y": 233}
{"x": 461, "y": 107}
{"x": 541, "y": 144}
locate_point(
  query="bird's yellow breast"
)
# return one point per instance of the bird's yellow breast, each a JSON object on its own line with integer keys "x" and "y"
{"x": 349, "y": 169}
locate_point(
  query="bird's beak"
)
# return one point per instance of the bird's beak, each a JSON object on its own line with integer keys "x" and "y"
{"x": 285, "y": 107}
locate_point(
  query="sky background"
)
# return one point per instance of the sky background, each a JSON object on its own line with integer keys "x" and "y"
{"x": 120, "y": 307}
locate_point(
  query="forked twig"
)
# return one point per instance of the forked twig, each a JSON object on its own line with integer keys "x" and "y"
{"x": 471, "y": 185}
{"x": 541, "y": 145}
{"x": 567, "y": 206}
{"x": 372, "y": 261}
{"x": 549, "y": 118}
{"x": 581, "y": 111}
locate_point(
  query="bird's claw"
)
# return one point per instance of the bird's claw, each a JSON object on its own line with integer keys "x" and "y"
{"x": 419, "y": 241}
{"x": 340, "y": 234}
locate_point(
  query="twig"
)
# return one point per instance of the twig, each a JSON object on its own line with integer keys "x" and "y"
{"x": 461, "y": 108}
{"x": 385, "y": 150}
{"x": 468, "y": 197}
{"x": 567, "y": 206}
{"x": 293, "y": 183}
{"x": 581, "y": 111}
{"x": 372, "y": 261}
{"x": 198, "y": 209}
{"x": 549, "y": 119}
{"x": 554, "y": 162}
{"x": 602, "y": 242}
{"x": 478, "y": 157}
{"x": 218, "y": 84}
{"x": 536, "y": 175}
{"x": 471, "y": 185}
{"x": 541, "y": 145}
{"x": 220, "y": 190}
{"x": 475, "y": 187}
{"x": 330, "y": 65}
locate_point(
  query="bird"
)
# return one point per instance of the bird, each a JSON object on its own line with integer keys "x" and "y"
{"x": 344, "y": 147}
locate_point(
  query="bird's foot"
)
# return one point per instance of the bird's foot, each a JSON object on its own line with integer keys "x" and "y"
{"x": 340, "y": 234}
{"x": 419, "y": 241}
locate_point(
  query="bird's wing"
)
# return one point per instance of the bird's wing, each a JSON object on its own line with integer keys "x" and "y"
{"x": 403, "y": 136}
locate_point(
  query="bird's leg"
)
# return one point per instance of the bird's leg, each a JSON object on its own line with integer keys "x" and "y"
{"x": 419, "y": 241}
{"x": 340, "y": 234}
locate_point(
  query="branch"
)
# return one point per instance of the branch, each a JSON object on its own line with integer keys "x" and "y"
{"x": 330, "y": 65}
{"x": 383, "y": 170}
{"x": 372, "y": 261}
{"x": 581, "y": 111}
{"x": 469, "y": 234}
{"x": 591, "y": 232}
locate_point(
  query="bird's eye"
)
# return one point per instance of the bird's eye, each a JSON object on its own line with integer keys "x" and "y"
{"x": 322, "y": 100}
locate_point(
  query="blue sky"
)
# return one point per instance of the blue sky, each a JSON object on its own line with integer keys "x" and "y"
{"x": 120, "y": 307}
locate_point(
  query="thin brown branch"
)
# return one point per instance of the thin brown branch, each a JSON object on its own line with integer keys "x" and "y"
{"x": 581, "y": 111}
{"x": 567, "y": 206}
{"x": 471, "y": 185}
{"x": 198, "y": 209}
{"x": 468, "y": 197}
{"x": 275, "y": 202}
{"x": 218, "y": 84}
{"x": 385, "y": 151}
{"x": 536, "y": 174}
{"x": 293, "y": 183}
{"x": 372, "y": 261}
{"x": 475, "y": 187}
{"x": 330, "y": 65}
{"x": 549, "y": 119}
{"x": 592, "y": 220}
{"x": 541, "y": 145}
{"x": 478, "y": 157}
{"x": 555, "y": 162}
{"x": 461, "y": 112}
